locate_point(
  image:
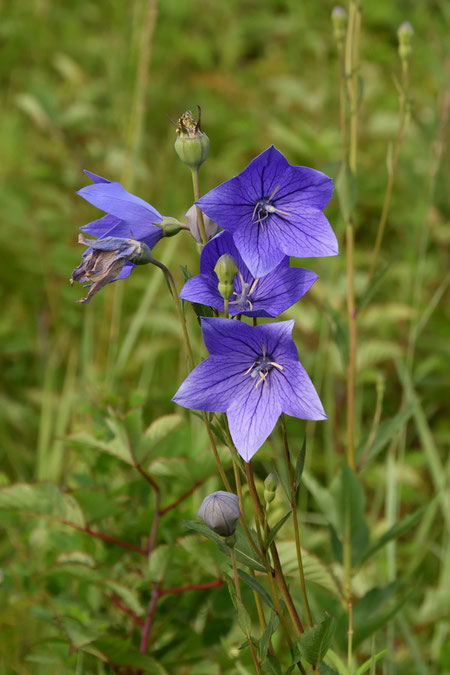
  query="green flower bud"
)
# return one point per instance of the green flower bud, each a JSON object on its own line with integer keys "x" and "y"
{"x": 270, "y": 488}
{"x": 170, "y": 226}
{"x": 339, "y": 20}
{"x": 405, "y": 33}
{"x": 143, "y": 256}
{"x": 226, "y": 270}
{"x": 192, "y": 145}
{"x": 220, "y": 511}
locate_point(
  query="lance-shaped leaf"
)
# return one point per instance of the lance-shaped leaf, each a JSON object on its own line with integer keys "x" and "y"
{"x": 314, "y": 643}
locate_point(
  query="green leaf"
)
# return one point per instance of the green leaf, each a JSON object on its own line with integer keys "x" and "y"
{"x": 243, "y": 617}
{"x": 42, "y": 499}
{"x": 118, "y": 447}
{"x": 387, "y": 430}
{"x": 349, "y": 501}
{"x": 299, "y": 466}
{"x": 397, "y": 530}
{"x": 156, "y": 432}
{"x": 372, "y": 287}
{"x": 340, "y": 332}
{"x": 242, "y": 548}
{"x": 367, "y": 665}
{"x": 276, "y": 528}
{"x": 272, "y": 665}
{"x": 314, "y": 643}
{"x": 346, "y": 191}
{"x": 326, "y": 670}
{"x": 270, "y": 629}
{"x": 370, "y": 615}
{"x": 122, "y": 653}
{"x": 256, "y": 586}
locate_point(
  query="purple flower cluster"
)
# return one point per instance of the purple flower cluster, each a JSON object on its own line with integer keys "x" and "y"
{"x": 269, "y": 212}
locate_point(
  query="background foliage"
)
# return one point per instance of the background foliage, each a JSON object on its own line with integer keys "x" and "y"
{"x": 80, "y": 385}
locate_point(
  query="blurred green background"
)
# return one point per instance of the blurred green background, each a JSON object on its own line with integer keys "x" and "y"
{"x": 263, "y": 71}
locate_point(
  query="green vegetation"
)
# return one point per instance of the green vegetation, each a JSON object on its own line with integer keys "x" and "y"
{"x": 86, "y": 390}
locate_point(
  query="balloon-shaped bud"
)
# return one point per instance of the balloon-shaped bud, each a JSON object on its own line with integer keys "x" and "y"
{"x": 192, "y": 145}
{"x": 226, "y": 270}
{"x": 220, "y": 511}
{"x": 211, "y": 228}
{"x": 270, "y": 487}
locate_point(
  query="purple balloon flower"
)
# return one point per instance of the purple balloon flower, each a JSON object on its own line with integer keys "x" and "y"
{"x": 269, "y": 296}
{"x": 274, "y": 209}
{"x": 253, "y": 374}
{"x": 129, "y": 217}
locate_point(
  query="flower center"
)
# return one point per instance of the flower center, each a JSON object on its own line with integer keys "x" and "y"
{"x": 264, "y": 207}
{"x": 243, "y": 296}
{"x": 262, "y": 366}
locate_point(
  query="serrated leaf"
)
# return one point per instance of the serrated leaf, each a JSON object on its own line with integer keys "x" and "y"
{"x": 116, "y": 447}
{"x": 299, "y": 466}
{"x": 270, "y": 629}
{"x": 276, "y": 528}
{"x": 314, "y": 643}
{"x": 397, "y": 530}
{"x": 256, "y": 586}
{"x": 122, "y": 653}
{"x": 43, "y": 499}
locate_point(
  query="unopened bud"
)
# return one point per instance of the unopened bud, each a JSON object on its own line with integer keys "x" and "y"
{"x": 405, "y": 34}
{"x": 339, "y": 20}
{"x": 192, "y": 145}
{"x": 170, "y": 226}
{"x": 270, "y": 488}
{"x": 220, "y": 511}
{"x": 226, "y": 270}
{"x": 211, "y": 227}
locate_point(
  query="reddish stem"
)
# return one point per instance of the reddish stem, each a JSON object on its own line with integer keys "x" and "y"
{"x": 149, "y": 618}
{"x": 182, "y": 498}
{"x": 118, "y": 603}
{"x": 193, "y": 587}
{"x": 104, "y": 537}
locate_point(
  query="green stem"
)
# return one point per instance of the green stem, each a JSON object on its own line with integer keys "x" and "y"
{"x": 238, "y": 593}
{"x": 391, "y": 171}
{"x": 295, "y": 519}
{"x": 187, "y": 341}
{"x": 196, "y": 186}
{"x": 279, "y": 576}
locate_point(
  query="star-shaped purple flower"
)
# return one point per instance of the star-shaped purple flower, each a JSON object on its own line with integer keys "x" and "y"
{"x": 128, "y": 216}
{"x": 269, "y": 296}
{"x": 274, "y": 209}
{"x": 253, "y": 374}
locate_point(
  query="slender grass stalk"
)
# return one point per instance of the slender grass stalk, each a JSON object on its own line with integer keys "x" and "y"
{"x": 133, "y": 143}
{"x": 295, "y": 519}
{"x": 238, "y": 593}
{"x": 403, "y": 97}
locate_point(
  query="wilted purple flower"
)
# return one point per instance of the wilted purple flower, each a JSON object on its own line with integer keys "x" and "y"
{"x": 211, "y": 228}
{"x": 273, "y": 209}
{"x": 268, "y": 296}
{"x": 128, "y": 216}
{"x": 104, "y": 260}
{"x": 253, "y": 374}
{"x": 220, "y": 511}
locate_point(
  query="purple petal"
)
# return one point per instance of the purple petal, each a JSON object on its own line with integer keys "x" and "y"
{"x": 280, "y": 289}
{"x": 264, "y": 174}
{"x": 227, "y": 204}
{"x": 226, "y": 337}
{"x": 211, "y": 385}
{"x": 294, "y": 389}
{"x": 277, "y": 338}
{"x": 95, "y": 178}
{"x": 126, "y": 271}
{"x": 203, "y": 289}
{"x": 252, "y": 416}
{"x": 114, "y": 199}
{"x": 259, "y": 246}
{"x": 100, "y": 227}
{"x": 305, "y": 233}
{"x": 304, "y": 187}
